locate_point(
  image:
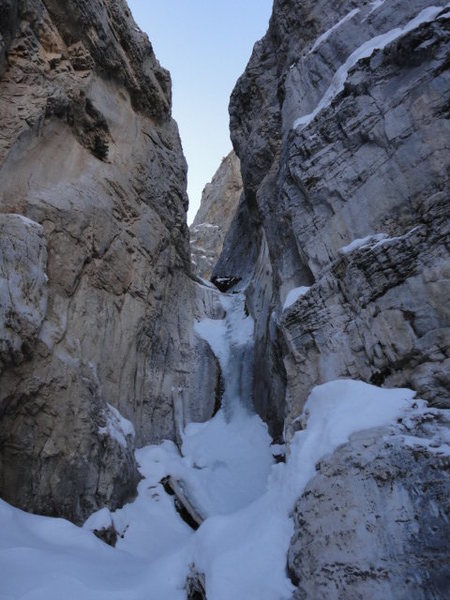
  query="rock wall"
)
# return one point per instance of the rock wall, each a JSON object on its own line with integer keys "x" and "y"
{"x": 97, "y": 301}
{"x": 340, "y": 237}
{"x": 218, "y": 206}
{"x": 341, "y": 125}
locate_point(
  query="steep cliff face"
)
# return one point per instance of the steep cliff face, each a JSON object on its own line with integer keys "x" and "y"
{"x": 373, "y": 521}
{"x": 218, "y": 206}
{"x": 341, "y": 125}
{"x": 97, "y": 301}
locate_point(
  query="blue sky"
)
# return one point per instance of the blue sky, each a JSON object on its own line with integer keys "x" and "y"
{"x": 205, "y": 44}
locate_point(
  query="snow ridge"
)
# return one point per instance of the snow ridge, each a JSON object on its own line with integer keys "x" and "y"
{"x": 294, "y": 295}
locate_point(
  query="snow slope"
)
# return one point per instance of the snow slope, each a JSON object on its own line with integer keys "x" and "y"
{"x": 241, "y": 547}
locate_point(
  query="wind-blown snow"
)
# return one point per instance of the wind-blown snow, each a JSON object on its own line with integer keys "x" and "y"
{"x": 365, "y": 51}
{"x": 294, "y": 295}
{"x": 241, "y": 548}
{"x": 327, "y": 33}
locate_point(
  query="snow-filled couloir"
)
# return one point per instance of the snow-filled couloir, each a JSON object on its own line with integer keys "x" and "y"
{"x": 290, "y": 424}
{"x": 226, "y": 470}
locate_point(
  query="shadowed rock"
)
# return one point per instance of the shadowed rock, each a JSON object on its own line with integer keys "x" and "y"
{"x": 195, "y": 585}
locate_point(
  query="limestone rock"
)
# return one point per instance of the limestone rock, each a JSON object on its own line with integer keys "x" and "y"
{"x": 367, "y": 156}
{"x": 373, "y": 523}
{"x": 23, "y": 286}
{"x": 213, "y": 219}
{"x": 376, "y": 315}
{"x": 341, "y": 124}
{"x": 63, "y": 453}
{"x": 89, "y": 152}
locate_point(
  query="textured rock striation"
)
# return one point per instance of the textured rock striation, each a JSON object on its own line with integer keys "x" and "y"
{"x": 341, "y": 125}
{"x": 24, "y": 290}
{"x": 218, "y": 206}
{"x": 97, "y": 301}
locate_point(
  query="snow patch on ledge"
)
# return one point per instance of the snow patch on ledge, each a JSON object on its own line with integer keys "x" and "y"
{"x": 375, "y": 5}
{"x": 294, "y": 295}
{"x": 361, "y": 242}
{"x": 99, "y": 520}
{"x": 392, "y": 240}
{"x": 339, "y": 408}
{"x": 117, "y": 426}
{"x": 376, "y": 240}
{"x": 365, "y": 51}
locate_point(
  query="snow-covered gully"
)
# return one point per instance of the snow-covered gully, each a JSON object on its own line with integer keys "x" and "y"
{"x": 227, "y": 472}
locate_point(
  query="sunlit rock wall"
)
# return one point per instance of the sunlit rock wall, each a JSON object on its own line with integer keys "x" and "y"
{"x": 97, "y": 300}
{"x": 213, "y": 219}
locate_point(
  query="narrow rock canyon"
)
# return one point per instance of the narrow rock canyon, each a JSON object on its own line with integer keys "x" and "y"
{"x": 256, "y": 407}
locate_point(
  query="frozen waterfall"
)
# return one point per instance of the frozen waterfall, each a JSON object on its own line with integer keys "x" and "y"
{"x": 226, "y": 471}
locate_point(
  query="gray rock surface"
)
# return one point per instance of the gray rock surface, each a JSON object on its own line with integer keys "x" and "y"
{"x": 195, "y": 585}
{"x": 374, "y": 522}
{"x": 23, "y": 287}
{"x": 378, "y": 314}
{"x": 374, "y": 160}
{"x": 89, "y": 152}
{"x": 218, "y": 206}
{"x": 343, "y": 141}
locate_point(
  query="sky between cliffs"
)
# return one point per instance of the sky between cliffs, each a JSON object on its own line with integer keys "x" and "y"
{"x": 206, "y": 45}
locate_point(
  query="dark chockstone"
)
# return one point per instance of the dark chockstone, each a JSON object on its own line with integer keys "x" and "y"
{"x": 225, "y": 283}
